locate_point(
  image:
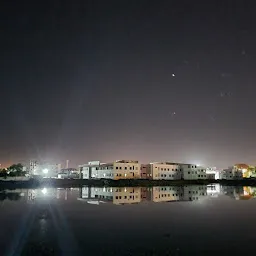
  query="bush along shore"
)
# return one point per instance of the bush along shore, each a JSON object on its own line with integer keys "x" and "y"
{"x": 34, "y": 183}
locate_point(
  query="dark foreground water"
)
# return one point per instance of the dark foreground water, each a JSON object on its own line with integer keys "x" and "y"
{"x": 190, "y": 220}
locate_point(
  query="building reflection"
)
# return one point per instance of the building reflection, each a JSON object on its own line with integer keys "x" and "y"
{"x": 115, "y": 195}
{"x": 166, "y": 194}
{"x": 131, "y": 195}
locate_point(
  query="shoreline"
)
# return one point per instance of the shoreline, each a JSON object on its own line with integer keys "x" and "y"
{"x": 35, "y": 183}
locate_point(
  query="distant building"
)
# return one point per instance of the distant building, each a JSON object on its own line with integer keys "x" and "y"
{"x": 232, "y": 173}
{"x": 33, "y": 167}
{"x": 145, "y": 172}
{"x": 245, "y": 169}
{"x": 43, "y": 169}
{"x": 68, "y": 173}
{"x": 126, "y": 169}
{"x": 193, "y": 172}
{"x": 96, "y": 170}
{"x": 121, "y": 169}
{"x": 212, "y": 173}
{"x": 163, "y": 171}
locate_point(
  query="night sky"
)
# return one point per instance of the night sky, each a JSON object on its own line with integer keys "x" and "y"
{"x": 147, "y": 80}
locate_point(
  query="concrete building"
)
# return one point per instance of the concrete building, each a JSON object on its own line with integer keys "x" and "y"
{"x": 33, "y": 167}
{"x": 126, "y": 169}
{"x": 145, "y": 172}
{"x": 121, "y": 169}
{"x": 193, "y": 172}
{"x": 103, "y": 171}
{"x": 212, "y": 173}
{"x": 164, "y": 171}
{"x": 43, "y": 169}
{"x": 232, "y": 173}
{"x": 70, "y": 173}
{"x": 87, "y": 169}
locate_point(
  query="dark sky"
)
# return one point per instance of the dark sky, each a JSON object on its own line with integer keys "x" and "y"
{"x": 147, "y": 80}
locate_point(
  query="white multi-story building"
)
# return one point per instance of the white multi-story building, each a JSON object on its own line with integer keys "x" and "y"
{"x": 33, "y": 167}
{"x": 87, "y": 169}
{"x": 193, "y": 172}
{"x": 212, "y": 173}
{"x": 231, "y": 173}
{"x": 43, "y": 169}
{"x": 164, "y": 171}
{"x": 103, "y": 171}
{"x": 121, "y": 169}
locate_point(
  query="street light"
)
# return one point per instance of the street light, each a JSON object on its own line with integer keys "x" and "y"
{"x": 44, "y": 191}
{"x": 45, "y": 171}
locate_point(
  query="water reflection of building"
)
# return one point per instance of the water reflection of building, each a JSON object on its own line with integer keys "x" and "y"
{"x": 129, "y": 195}
{"x": 249, "y": 192}
{"x": 194, "y": 192}
{"x": 232, "y": 173}
{"x": 40, "y": 194}
{"x": 166, "y": 194}
{"x": 146, "y": 193}
{"x": 234, "y": 192}
{"x": 213, "y": 190}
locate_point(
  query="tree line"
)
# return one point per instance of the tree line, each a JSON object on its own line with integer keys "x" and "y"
{"x": 13, "y": 171}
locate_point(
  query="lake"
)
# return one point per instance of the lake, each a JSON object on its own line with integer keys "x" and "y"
{"x": 187, "y": 220}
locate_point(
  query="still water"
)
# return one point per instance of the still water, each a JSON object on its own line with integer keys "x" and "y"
{"x": 189, "y": 220}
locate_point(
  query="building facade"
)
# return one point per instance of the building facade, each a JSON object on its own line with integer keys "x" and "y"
{"x": 193, "y": 172}
{"x": 232, "y": 173}
{"x": 121, "y": 169}
{"x": 164, "y": 171}
{"x": 126, "y": 169}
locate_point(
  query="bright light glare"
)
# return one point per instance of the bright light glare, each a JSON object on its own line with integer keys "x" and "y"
{"x": 44, "y": 191}
{"x": 45, "y": 171}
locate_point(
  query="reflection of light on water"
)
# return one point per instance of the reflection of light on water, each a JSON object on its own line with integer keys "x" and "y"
{"x": 44, "y": 191}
